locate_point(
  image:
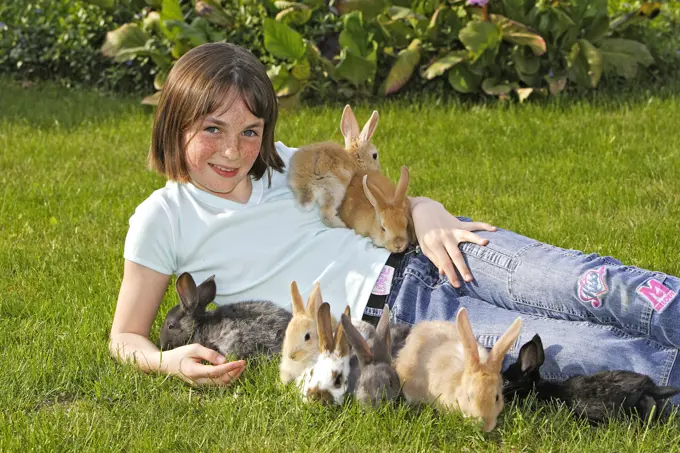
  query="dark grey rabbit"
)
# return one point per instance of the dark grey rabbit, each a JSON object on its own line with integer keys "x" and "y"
{"x": 597, "y": 397}
{"x": 375, "y": 378}
{"x": 241, "y": 329}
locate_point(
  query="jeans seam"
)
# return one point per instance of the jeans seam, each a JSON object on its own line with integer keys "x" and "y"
{"x": 668, "y": 367}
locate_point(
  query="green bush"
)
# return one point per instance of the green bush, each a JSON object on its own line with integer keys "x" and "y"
{"x": 60, "y": 40}
{"x": 347, "y": 48}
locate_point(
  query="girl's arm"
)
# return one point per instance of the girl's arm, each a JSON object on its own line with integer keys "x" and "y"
{"x": 439, "y": 234}
{"x": 141, "y": 294}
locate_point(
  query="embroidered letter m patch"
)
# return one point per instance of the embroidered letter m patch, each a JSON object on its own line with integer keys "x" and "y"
{"x": 657, "y": 294}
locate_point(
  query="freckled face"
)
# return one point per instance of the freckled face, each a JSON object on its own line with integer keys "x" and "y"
{"x": 221, "y": 149}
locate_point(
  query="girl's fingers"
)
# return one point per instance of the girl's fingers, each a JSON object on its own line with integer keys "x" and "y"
{"x": 440, "y": 258}
{"x": 456, "y": 257}
{"x": 468, "y": 236}
{"x": 476, "y": 226}
{"x": 207, "y": 354}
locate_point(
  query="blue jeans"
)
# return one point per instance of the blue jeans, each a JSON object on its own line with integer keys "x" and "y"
{"x": 592, "y": 312}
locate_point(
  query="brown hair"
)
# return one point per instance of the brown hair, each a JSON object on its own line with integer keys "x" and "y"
{"x": 196, "y": 86}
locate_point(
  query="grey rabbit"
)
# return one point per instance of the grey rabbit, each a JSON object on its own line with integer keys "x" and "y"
{"x": 596, "y": 397}
{"x": 374, "y": 379}
{"x": 242, "y": 329}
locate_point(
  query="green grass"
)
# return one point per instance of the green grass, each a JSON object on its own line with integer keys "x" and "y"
{"x": 602, "y": 176}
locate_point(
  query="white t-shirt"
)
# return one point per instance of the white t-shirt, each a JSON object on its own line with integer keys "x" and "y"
{"x": 255, "y": 249}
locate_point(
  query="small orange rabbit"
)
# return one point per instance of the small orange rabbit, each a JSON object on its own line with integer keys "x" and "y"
{"x": 375, "y": 208}
{"x": 321, "y": 172}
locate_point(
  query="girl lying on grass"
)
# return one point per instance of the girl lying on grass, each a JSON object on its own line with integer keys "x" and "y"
{"x": 227, "y": 210}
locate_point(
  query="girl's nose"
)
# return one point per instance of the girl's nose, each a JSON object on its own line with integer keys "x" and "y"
{"x": 230, "y": 149}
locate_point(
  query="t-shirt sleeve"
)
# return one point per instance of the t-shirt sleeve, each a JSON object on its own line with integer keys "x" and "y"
{"x": 149, "y": 240}
{"x": 285, "y": 152}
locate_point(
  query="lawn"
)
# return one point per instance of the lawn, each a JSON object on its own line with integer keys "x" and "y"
{"x": 601, "y": 175}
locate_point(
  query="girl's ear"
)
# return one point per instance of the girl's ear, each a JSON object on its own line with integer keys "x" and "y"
{"x": 187, "y": 291}
{"x": 349, "y": 126}
{"x": 369, "y": 128}
{"x": 296, "y": 299}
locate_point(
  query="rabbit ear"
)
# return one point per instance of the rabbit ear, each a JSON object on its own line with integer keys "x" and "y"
{"x": 324, "y": 329}
{"x": 206, "y": 292}
{"x": 296, "y": 298}
{"x": 187, "y": 291}
{"x": 349, "y": 126}
{"x": 531, "y": 355}
{"x": 383, "y": 343}
{"x": 661, "y": 393}
{"x": 504, "y": 344}
{"x": 314, "y": 301}
{"x": 369, "y": 128}
{"x": 467, "y": 337}
{"x": 402, "y": 185}
{"x": 374, "y": 196}
{"x": 341, "y": 345}
{"x": 357, "y": 341}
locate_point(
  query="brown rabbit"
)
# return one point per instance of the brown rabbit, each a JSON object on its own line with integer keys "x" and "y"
{"x": 375, "y": 208}
{"x": 320, "y": 172}
{"x": 442, "y": 363}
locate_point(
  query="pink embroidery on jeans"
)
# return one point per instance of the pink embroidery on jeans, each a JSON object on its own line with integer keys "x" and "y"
{"x": 384, "y": 283}
{"x": 656, "y": 293}
{"x": 591, "y": 286}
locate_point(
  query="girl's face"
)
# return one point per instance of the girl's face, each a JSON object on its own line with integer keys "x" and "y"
{"x": 221, "y": 148}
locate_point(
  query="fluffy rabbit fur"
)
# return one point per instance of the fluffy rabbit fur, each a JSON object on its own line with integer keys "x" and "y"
{"x": 375, "y": 208}
{"x": 326, "y": 380}
{"x": 596, "y": 397}
{"x": 442, "y": 363}
{"x": 320, "y": 172}
{"x": 377, "y": 380}
{"x": 242, "y": 329}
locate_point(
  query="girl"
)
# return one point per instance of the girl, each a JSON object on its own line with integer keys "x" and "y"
{"x": 227, "y": 210}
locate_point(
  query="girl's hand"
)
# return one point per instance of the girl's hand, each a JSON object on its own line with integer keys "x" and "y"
{"x": 439, "y": 234}
{"x": 185, "y": 363}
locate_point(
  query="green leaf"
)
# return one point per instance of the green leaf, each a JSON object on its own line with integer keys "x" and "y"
{"x": 519, "y": 34}
{"x": 152, "y": 99}
{"x": 160, "y": 79}
{"x": 282, "y": 41}
{"x": 399, "y": 13}
{"x": 298, "y": 14}
{"x": 124, "y": 37}
{"x": 442, "y": 65}
{"x": 494, "y": 87}
{"x": 623, "y": 56}
{"x": 556, "y": 83}
{"x": 355, "y": 68}
{"x": 106, "y": 4}
{"x": 170, "y": 10}
{"x": 183, "y": 31}
{"x": 462, "y": 80}
{"x": 480, "y": 36}
{"x": 353, "y": 35}
{"x": 526, "y": 64}
{"x": 302, "y": 70}
{"x": 278, "y": 74}
{"x": 598, "y": 29}
{"x": 585, "y": 64}
{"x": 403, "y": 68}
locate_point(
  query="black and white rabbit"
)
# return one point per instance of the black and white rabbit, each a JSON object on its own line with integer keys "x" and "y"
{"x": 242, "y": 329}
{"x": 597, "y": 397}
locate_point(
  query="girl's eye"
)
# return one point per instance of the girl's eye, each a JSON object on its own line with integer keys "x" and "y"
{"x": 250, "y": 133}
{"x": 211, "y": 130}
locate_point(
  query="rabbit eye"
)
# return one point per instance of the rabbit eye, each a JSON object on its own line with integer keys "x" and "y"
{"x": 171, "y": 325}
{"x": 338, "y": 380}
{"x": 307, "y": 337}
{"x": 496, "y": 397}
{"x": 375, "y": 156}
